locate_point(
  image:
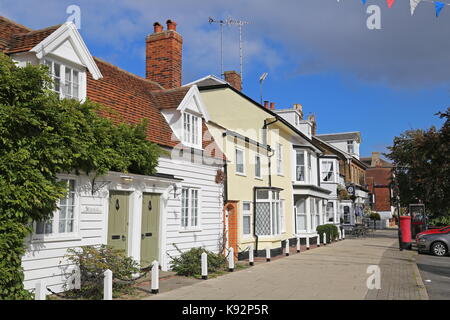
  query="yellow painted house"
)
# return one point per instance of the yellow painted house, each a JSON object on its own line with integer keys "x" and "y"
{"x": 260, "y": 173}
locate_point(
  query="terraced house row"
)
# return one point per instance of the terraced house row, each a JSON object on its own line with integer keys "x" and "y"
{"x": 236, "y": 172}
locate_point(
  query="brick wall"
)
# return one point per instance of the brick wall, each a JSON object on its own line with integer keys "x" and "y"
{"x": 234, "y": 79}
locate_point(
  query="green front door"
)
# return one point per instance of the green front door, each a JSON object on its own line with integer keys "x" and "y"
{"x": 150, "y": 229}
{"x": 118, "y": 220}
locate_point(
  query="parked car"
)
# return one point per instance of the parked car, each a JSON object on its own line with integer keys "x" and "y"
{"x": 435, "y": 243}
{"x": 434, "y": 230}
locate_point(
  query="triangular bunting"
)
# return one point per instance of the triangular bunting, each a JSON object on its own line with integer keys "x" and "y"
{"x": 439, "y": 6}
{"x": 413, "y": 4}
{"x": 390, "y": 3}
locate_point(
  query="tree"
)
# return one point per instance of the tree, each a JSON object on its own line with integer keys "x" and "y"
{"x": 42, "y": 136}
{"x": 422, "y": 158}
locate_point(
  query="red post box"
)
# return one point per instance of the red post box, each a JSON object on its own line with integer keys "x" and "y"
{"x": 405, "y": 228}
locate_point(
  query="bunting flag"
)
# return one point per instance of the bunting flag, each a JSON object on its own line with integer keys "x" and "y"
{"x": 414, "y": 4}
{"x": 439, "y": 6}
{"x": 390, "y": 3}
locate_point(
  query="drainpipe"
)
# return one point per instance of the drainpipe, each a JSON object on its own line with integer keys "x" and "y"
{"x": 266, "y": 124}
{"x": 225, "y": 183}
{"x": 254, "y": 221}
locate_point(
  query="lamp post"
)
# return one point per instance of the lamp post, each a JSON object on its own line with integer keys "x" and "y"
{"x": 261, "y": 80}
{"x": 397, "y": 196}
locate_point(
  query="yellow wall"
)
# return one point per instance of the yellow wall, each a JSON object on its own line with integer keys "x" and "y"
{"x": 235, "y": 113}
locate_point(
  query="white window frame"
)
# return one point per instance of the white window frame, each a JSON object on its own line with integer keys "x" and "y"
{"x": 186, "y": 221}
{"x": 282, "y": 216}
{"x": 309, "y": 167}
{"x": 274, "y": 203}
{"x": 298, "y": 166}
{"x": 258, "y": 166}
{"x": 55, "y": 236}
{"x": 248, "y": 214}
{"x": 279, "y": 153}
{"x": 192, "y": 130}
{"x": 304, "y": 214}
{"x": 322, "y": 171}
{"x": 350, "y": 143}
{"x": 62, "y": 78}
{"x": 243, "y": 161}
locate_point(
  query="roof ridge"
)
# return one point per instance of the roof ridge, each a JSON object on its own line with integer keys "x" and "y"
{"x": 56, "y": 26}
{"x": 15, "y": 23}
{"x": 128, "y": 72}
{"x": 329, "y": 134}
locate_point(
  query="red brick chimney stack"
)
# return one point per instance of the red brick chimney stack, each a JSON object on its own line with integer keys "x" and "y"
{"x": 234, "y": 79}
{"x": 266, "y": 104}
{"x": 272, "y": 105}
{"x": 164, "y": 55}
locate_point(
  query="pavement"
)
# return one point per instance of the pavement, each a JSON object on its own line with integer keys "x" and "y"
{"x": 337, "y": 271}
{"x": 435, "y": 272}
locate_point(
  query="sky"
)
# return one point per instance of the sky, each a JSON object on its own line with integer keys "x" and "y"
{"x": 318, "y": 53}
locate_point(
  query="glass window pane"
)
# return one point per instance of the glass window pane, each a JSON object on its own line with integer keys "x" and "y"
{"x": 246, "y": 227}
{"x": 262, "y": 194}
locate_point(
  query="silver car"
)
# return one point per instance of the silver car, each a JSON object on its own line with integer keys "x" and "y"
{"x": 435, "y": 243}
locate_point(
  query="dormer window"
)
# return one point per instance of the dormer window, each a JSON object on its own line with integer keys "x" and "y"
{"x": 350, "y": 148}
{"x": 191, "y": 130}
{"x": 66, "y": 80}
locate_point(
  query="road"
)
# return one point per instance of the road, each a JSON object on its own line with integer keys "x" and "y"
{"x": 435, "y": 272}
{"x": 337, "y": 271}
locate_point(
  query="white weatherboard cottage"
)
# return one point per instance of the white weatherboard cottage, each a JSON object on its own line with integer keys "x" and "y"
{"x": 147, "y": 216}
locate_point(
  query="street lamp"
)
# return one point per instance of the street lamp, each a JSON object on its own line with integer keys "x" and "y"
{"x": 261, "y": 80}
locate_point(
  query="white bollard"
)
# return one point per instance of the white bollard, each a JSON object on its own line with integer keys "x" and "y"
{"x": 155, "y": 277}
{"x": 251, "y": 258}
{"x": 343, "y": 234}
{"x": 298, "y": 245}
{"x": 231, "y": 260}
{"x": 108, "y": 285}
{"x": 340, "y": 234}
{"x": 287, "y": 248}
{"x": 307, "y": 242}
{"x": 40, "y": 291}
{"x": 324, "y": 239}
{"x": 204, "y": 266}
{"x": 318, "y": 240}
{"x": 268, "y": 254}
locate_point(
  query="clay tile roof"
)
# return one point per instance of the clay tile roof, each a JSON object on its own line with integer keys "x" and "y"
{"x": 16, "y": 38}
{"x": 26, "y": 41}
{"x": 170, "y": 99}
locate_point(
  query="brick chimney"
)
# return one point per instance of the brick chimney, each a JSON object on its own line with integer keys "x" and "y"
{"x": 376, "y": 162}
{"x": 164, "y": 55}
{"x": 266, "y": 104}
{"x": 234, "y": 79}
{"x": 272, "y": 105}
{"x": 299, "y": 108}
{"x": 312, "y": 119}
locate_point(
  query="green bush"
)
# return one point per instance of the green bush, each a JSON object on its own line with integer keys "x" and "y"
{"x": 330, "y": 230}
{"x": 441, "y": 221}
{"x": 189, "y": 263}
{"x": 93, "y": 262}
{"x": 375, "y": 216}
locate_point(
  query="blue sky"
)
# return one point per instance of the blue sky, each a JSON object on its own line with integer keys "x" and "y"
{"x": 318, "y": 53}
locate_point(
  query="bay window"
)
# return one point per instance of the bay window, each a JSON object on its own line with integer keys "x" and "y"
{"x": 301, "y": 215}
{"x": 300, "y": 167}
{"x": 63, "y": 221}
{"x": 189, "y": 208}
{"x": 318, "y": 207}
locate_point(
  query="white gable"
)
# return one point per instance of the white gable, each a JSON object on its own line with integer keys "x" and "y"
{"x": 67, "y": 51}
{"x": 67, "y": 43}
{"x": 193, "y": 102}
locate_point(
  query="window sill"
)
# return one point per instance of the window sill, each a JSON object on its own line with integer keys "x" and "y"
{"x": 190, "y": 230}
{"x": 241, "y": 174}
{"x": 259, "y": 178}
{"x": 55, "y": 239}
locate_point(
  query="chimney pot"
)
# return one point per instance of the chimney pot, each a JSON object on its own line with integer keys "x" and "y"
{"x": 266, "y": 104}
{"x": 272, "y": 105}
{"x": 157, "y": 27}
{"x": 171, "y": 25}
